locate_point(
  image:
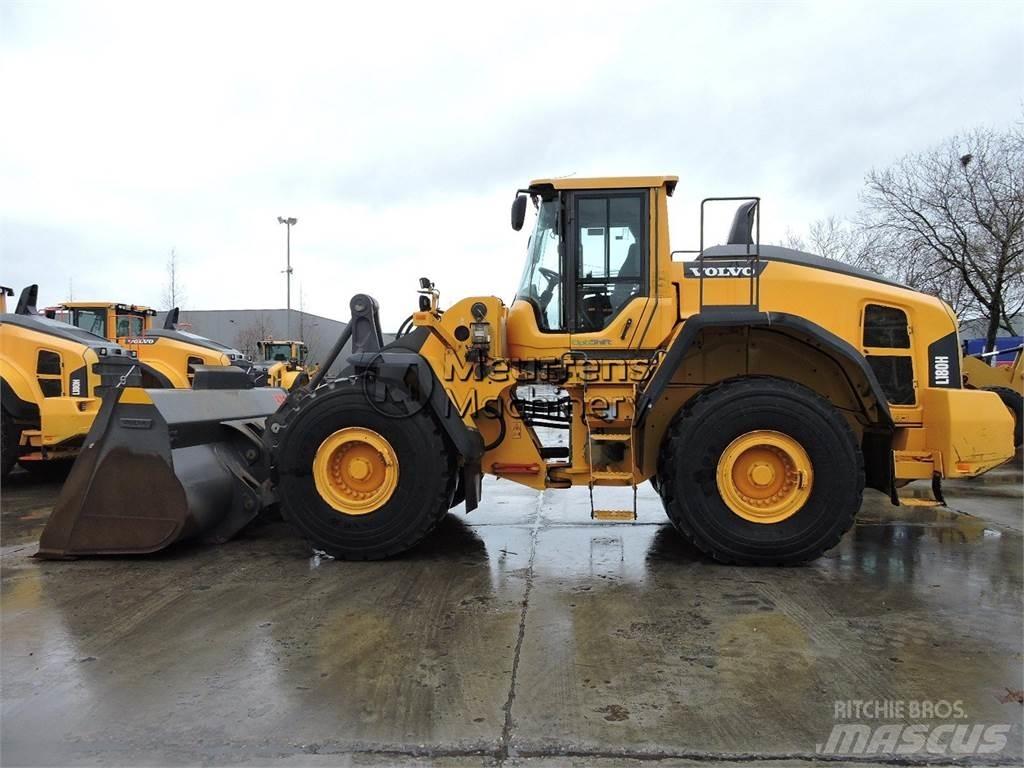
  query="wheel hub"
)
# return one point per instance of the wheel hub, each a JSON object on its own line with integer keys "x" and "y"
{"x": 355, "y": 471}
{"x": 764, "y": 476}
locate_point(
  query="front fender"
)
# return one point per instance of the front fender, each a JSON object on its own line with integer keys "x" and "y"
{"x": 407, "y": 380}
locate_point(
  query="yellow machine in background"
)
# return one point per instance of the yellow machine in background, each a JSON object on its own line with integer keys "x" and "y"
{"x": 107, "y": 319}
{"x": 173, "y": 355}
{"x": 1007, "y": 381}
{"x": 758, "y": 387}
{"x": 52, "y": 376}
{"x": 284, "y": 363}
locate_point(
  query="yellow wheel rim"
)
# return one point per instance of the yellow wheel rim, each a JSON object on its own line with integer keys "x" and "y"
{"x": 764, "y": 476}
{"x": 355, "y": 471}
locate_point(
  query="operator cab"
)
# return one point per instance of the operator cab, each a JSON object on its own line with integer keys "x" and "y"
{"x": 110, "y": 321}
{"x": 587, "y": 258}
{"x": 274, "y": 351}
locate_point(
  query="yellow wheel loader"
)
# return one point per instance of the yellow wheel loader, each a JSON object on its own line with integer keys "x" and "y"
{"x": 52, "y": 376}
{"x": 1007, "y": 381}
{"x": 173, "y": 355}
{"x": 760, "y": 388}
{"x": 284, "y": 363}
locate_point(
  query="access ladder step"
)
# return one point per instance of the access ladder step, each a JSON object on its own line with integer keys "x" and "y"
{"x": 615, "y": 437}
{"x": 622, "y": 477}
{"x": 919, "y": 497}
{"x": 916, "y": 501}
{"x": 618, "y": 515}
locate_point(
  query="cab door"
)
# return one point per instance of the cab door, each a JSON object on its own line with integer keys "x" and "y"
{"x": 607, "y": 281}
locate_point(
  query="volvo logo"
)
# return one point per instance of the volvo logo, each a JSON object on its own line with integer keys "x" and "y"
{"x": 725, "y": 269}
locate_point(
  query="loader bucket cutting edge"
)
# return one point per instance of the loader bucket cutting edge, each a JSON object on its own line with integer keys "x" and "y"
{"x": 160, "y": 466}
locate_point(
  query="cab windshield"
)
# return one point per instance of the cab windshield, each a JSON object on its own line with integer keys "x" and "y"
{"x": 281, "y": 352}
{"x": 130, "y": 325}
{"x": 92, "y": 320}
{"x": 542, "y": 278}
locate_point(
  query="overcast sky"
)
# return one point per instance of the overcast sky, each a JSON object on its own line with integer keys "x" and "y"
{"x": 398, "y": 133}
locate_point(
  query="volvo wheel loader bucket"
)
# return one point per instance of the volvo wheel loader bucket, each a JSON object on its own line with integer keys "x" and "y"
{"x": 160, "y": 466}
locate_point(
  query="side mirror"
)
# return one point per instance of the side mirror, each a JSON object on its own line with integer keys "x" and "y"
{"x": 518, "y": 212}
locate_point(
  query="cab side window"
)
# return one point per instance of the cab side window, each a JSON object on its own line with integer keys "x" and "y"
{"x": 609, "y": 234}
{"x": 887, "y": 348}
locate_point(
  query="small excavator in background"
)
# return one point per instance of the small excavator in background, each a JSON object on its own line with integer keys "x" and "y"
{"x": 1007, "y": 381}
{"x": 172, "y": 355}
{"x": 284, "y": 363}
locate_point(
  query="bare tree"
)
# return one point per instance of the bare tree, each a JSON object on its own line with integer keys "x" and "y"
{"x": 248, "y": 338}
{"x": 174, "y": 293}
{"x": 311, "y": 338}
{"x": 951, "y": 221}
{"x": 843, "y": 241}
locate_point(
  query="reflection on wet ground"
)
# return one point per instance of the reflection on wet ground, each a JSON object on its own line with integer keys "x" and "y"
{"x": 521, "y": 630}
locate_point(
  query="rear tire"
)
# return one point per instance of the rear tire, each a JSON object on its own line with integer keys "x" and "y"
{"x": 422, "y": 495}
{"x": 48, "y": 471}
{"x": 10, "y": 436}
{"x": 711, "y": 423}
{"x": 1015, "y": 405}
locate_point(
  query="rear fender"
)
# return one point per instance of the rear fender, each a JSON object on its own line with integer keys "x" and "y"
{"x": 875, "y": 405}
{"x": 16, "y": 395}
{"x": 863, "y": 384}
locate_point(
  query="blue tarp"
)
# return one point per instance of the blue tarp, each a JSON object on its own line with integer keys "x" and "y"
{"x": 977, "y": 346}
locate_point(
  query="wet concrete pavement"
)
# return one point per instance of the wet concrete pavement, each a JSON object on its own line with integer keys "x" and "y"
{"x": 520, "y": 634}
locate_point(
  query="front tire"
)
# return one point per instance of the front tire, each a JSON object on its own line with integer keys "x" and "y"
{"x": 761, "y": 471}
{"x": 358, "y": 483}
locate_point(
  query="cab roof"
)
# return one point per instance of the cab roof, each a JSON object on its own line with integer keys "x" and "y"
{"x": 108, "y": 305}
{"x": 609, "y": 182}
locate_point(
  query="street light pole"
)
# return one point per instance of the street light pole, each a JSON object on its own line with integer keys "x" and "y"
{"x": 288, "y": 222}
